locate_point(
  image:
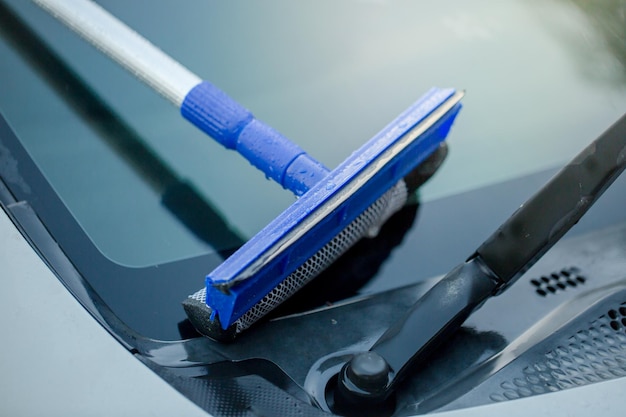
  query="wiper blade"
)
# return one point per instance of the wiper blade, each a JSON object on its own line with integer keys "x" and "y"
{"x": 370, "y": 378}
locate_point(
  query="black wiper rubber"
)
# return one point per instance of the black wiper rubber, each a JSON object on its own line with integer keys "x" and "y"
{"x": 370, "y": 378}
{"x": 553, "y": 210}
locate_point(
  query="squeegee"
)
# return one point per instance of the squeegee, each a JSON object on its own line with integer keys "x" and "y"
{"x": 334, "y": 209}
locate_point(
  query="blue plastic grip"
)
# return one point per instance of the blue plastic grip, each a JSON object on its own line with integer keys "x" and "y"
{"x": 229, "y": 123}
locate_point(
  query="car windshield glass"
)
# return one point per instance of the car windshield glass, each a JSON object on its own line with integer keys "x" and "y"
{"x": 131, "y": 171}
{"x": 145, "y": 205}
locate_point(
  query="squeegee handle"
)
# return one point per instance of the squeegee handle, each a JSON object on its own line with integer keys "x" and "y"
{"x": 199, "y": 101}
{"x": 229, "y": 123}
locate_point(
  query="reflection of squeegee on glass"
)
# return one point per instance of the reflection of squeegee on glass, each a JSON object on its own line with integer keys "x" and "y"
{"x": 336, "y": 208}
{"x": 181, "y": 198}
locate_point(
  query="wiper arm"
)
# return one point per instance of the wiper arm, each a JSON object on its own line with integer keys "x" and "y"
{"x": 370, "y": 378}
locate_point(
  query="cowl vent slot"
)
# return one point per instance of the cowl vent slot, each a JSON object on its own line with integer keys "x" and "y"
{"x": 558, "y": 281}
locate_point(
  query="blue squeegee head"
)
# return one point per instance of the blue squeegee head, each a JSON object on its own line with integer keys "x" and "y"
{"x": 330, "y": 202}
{"x": 328, "y": 207}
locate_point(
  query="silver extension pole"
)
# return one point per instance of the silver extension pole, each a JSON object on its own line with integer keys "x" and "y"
{"x": 125, "y": 46}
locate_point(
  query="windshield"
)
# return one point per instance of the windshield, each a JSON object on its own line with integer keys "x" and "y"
{"x": 148, "y": 189}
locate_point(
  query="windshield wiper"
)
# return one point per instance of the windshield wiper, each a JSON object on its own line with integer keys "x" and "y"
{"x": 367, "y": 381}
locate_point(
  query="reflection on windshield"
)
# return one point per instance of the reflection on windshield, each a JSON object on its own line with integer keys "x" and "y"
{"x": 609, "y": 19}
{"x": 179, "y": 196}
{"x": 600, "y": 52}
